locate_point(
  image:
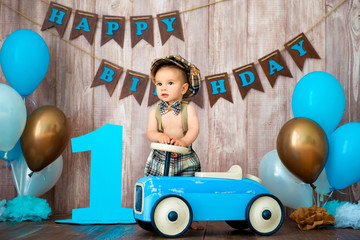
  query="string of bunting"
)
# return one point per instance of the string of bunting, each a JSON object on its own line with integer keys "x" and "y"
{"x": 135, "y": 83}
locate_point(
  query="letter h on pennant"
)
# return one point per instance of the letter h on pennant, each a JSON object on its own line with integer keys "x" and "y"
{"x": 218, "y": 87}
{"x": 57, "y": 16}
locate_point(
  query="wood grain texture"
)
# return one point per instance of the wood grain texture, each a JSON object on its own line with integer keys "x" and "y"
{"x": 218, "y": 38}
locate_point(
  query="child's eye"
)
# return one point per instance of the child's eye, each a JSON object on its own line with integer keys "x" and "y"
{"x": 159, "y": 84}
{"x": 171, "y": 83}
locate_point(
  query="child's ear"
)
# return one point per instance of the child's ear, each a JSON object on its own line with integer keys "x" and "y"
{"x": 184, "y": 88}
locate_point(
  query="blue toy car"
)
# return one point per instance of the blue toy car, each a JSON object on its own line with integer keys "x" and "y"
{"x": 168, "y": 205}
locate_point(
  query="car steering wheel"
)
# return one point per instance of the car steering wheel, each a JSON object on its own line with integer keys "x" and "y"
{"x": 169, "y": 148}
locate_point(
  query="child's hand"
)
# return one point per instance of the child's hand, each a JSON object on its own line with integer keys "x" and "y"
{"x": 177, "y": 142}
{"x": 164, "y": 139}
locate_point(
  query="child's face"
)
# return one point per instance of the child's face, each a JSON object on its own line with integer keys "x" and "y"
{"x": 170, "y": 84}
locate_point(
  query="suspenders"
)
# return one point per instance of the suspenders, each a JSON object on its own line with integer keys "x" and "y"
{"x": 183, "y": 113}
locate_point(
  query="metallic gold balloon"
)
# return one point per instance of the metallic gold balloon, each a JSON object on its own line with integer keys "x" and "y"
{"x": 45, "y": 137}
{"x": 303, "y": 148}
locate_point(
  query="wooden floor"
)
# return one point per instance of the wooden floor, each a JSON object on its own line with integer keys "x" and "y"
{"x": 213, "y": 230}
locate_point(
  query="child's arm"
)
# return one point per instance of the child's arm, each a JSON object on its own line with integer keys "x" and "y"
{"x": 152, "y": 131}
{"x": 193, "y": 129}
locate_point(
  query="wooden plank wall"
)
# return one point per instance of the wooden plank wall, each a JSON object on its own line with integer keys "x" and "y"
{"x": 218, "y": 38}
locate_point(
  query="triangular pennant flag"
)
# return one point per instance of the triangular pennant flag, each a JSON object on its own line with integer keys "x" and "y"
{"x": 108, "y": 74}
{"x": 134, "y": 84}
{"x": 218, "y": 87}
{"x": 198, "y": 99}
{"x": 84, "y": 24}
{"x": 300, "y": 49}
{"x": 153, "y": 97}
{"x": 113, "y": 27}
{"x": 274, "y": 65}
{"x": 170, "y": 24}
{"x": 57, "y": 16}
{"x": 142, "y": 27}
{"x": 247, "y": 78}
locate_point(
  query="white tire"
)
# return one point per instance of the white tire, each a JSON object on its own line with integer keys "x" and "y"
{"x": 265, "y": 214}
{"x": 171, "y": 216}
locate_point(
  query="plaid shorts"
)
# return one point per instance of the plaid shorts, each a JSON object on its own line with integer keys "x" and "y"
{"x": 180, "y": 164}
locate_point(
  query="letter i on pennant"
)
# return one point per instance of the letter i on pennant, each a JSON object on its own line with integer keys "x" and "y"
{"x": 57, "y": 16}
{"x": 300, "y": 49}
{"x": 218, "y": 87}
{"x": 108, "y": 74}
{"x": 84, "y": 24}
{"x": 134, "y": 84}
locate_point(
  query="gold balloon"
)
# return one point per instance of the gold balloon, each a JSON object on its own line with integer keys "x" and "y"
{"x": 303, "y": 148}
{"x": 45, "y": 137}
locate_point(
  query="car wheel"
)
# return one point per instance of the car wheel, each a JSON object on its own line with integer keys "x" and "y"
{"x": 145, "y": 225}
{"x": 265, "y": 214}
{"x": 240, "y": 225}
{"x": 171, "y": 216}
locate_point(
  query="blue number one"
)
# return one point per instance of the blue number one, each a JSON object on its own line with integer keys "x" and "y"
{"x": 105, "y": 145}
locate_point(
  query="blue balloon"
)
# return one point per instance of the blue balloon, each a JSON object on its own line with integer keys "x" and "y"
{"x": 11, "y": 154}
{"x": 343, "y": 163}
{"x": 24, "y": 59}
{"x": 319, "y": 97}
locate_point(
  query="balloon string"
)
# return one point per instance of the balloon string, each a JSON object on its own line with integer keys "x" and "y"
{"x": 30, "y": 174}
{"x": 9, "y": 165}
{"x": 33, "y": 102}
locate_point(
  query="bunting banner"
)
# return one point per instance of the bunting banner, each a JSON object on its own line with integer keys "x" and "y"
{"x": 273, "y": 66}
{"x": 134, "y": 84}
{"x": 141, "y": 27}
{"x": 58, "y": 17}
{"x": 246, "y": 78}
{"x": 113, "y": 27}
{"x": 170, "y": 25}
{"x": 84, "y": 24}
{"x": 108, "y": 74}
{"x": 218, "y": 87}
{"x": 300, "y": 49}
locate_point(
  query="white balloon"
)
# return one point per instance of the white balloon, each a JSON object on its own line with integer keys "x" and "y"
{"x": 40, "y": 182}
{"x": 322, "y": 184}
{"x": 12, "y": 117}
{"x": 279, "y": 181}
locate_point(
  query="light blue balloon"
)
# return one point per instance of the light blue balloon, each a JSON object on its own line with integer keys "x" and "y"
{"x": 343, "y": 163}
{"x": 13, "y": 154}
{"x": 12, "y": 117}
{"x": 24, "y": 59}
{"x": 319, "y": 97}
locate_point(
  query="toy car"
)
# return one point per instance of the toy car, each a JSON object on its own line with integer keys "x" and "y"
{"x": 168, "y": 205}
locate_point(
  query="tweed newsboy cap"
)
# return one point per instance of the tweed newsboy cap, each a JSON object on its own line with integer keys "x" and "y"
{"x": 192, "y": 72}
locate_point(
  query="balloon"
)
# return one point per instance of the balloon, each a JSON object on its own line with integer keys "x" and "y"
{"x": 24, "y": 59}
{"x": 303, "y": 147}
{"x": 319, "y": 97}
{"x": 280, "y": 182}
{"x": 343, "y": 164}
{"x": 45, "y": 137}
{"x": 12, "y": 117}
{"x": 12, "y": 154}
{"x": 40, "y": 182}
{"x": 322, "y": 184}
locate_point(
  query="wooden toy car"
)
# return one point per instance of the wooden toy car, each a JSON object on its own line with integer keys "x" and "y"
{"x": 168, "y": 205}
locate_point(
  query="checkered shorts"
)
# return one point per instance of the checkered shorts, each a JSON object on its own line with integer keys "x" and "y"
{"x": 180, "y": 164}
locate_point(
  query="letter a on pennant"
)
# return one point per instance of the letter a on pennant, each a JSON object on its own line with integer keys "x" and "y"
{"x": 300, "y": 49}
{"x": 108, "y": 74}
{"x": 246, "y": 78}
{"x": 84, "y": 24}
{"x": 218, "y": 87}
{"x": 57, "y": 16}
{"x": 274, "y": 65}
{"x": 170, "y": 24}
{"x": 142, "y": 27}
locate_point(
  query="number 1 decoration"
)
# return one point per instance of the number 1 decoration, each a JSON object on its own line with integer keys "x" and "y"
{"x": 105, "y": 145}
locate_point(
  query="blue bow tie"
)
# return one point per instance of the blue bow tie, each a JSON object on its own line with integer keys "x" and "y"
{"x": 175, "y": 107}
